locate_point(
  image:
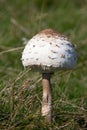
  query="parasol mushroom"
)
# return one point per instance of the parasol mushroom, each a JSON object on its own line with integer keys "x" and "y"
{"x": 49, "y": 51}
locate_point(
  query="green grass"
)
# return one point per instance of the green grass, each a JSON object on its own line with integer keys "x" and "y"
{"x": 21, "y": 90}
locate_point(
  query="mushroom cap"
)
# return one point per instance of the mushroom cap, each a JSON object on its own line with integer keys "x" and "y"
{"x": 49, "y": 51}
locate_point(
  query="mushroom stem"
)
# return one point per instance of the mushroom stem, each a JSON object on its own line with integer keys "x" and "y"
{"x": 47, "y": 97}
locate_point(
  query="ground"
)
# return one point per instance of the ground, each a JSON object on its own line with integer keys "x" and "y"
{"x": 20, "y": 89}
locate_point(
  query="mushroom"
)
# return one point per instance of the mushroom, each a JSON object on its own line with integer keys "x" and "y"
{"x": 49, "y": 51}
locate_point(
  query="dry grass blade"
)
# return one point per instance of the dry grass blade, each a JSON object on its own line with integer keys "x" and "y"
{"x": 20, "y": 97}
{"x": 20, "y": 75}
{"x": 10, "y": 50}
{"x": 66, "y": 125}
{"x": 23, "y": 29}
{"x": 73, "y": 105}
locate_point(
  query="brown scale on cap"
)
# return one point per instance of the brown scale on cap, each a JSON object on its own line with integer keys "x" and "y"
{"x": 50, "y": 32}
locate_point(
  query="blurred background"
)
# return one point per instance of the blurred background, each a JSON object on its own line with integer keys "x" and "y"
{"x": 19, "y": 21}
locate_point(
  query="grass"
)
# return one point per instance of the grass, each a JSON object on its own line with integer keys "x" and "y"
{"x": 21, "y": 90}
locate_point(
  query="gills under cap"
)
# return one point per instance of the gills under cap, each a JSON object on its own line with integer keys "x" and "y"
{"x": 48, "y": 51}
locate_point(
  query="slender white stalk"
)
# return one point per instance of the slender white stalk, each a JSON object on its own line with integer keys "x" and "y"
{"x": 47, "y": 97}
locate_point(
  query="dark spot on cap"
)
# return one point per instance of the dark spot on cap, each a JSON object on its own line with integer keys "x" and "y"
{"x": 62, "y": 56}
{"x": 36, "y": 58}
{"x": 75, "y": 58}
{"x": 70, "y": 45}
{"x": 37, "y": 39}
{"x": 22, "y": 59}
{"x": 33, "y": 45}
{"x": 57, "y": 45}
{"x": 48, "y": 36}
{"x": 69, "y": 51}
{"x": 51, "y": 58}
{"x": 50, "y": 43}
{"x": 53, "y": 51}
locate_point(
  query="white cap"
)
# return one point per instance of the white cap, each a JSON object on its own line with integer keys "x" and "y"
{"x": 48, "y": 51}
